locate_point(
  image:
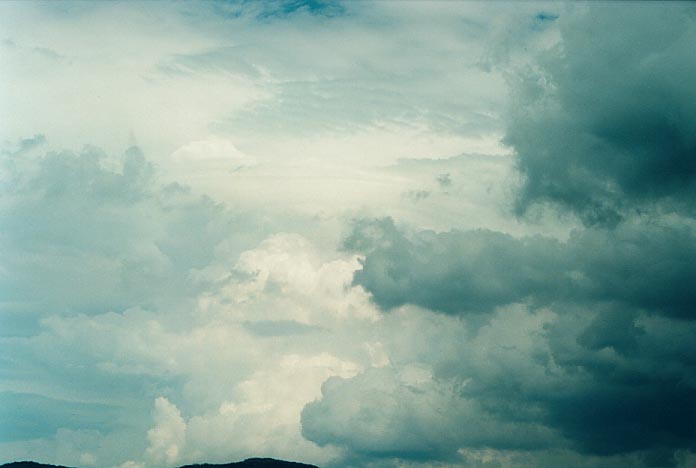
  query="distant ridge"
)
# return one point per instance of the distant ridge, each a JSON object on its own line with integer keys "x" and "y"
{"x": 248, "y": 463}
{"x": 254, "y": 463}
{"x": 29, "y": 464}
{"x": 251, "y": 463}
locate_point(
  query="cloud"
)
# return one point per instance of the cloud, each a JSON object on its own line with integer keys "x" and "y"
{"x": 325, "y": 8}
{"x": 152, "y": 325}
{"x": 281, "y": 10}
{"x": 168, "y": 436}
{"x": 262, "y": 415}
{"x": 455, "y": 272}
{"x": 428, "y": 404}
{"x": 29, "y": 416}
{"x": 406, "y": 413}
{"x": 603, "y": 123}
{"x": 210, "y": 361}
{"x": 644, "y": 264}
{"x": 365, "y": 413}
{"x": 272, "y": 328}
{"x": 592, "y": 377}
{"x": 631, "y": 371}
{"x": 524, "y": 383}
{"x": 215, "y": 154}
{"x": 416, "y": 195}
{"x": 100, "y": 234}
{"x": 444, "y": 180}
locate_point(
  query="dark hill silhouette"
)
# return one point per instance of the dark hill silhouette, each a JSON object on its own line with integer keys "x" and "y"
{"x": 253, "y": 463}
{"x": 248, "y": 463}
{"x": 29, "y": 464}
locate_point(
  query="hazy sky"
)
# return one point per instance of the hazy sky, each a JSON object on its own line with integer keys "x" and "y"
{"x": 360, "y": 234}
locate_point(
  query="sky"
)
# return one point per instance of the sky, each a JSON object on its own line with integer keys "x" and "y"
{"x": 352, "y": 234}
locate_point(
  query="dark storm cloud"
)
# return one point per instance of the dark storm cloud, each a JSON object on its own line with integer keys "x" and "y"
{"x": 648, "y": 265}
{"x": 605, "y": 125}
{"x": 645, "y": 265}
{"x": 612, "y": 374}
{"x": 454, "y": 272}
{"x": 604, "y": 381}
{"x": 637, "y": 389}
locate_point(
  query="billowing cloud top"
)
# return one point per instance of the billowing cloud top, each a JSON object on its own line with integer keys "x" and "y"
{"x": 354, "y": 234}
